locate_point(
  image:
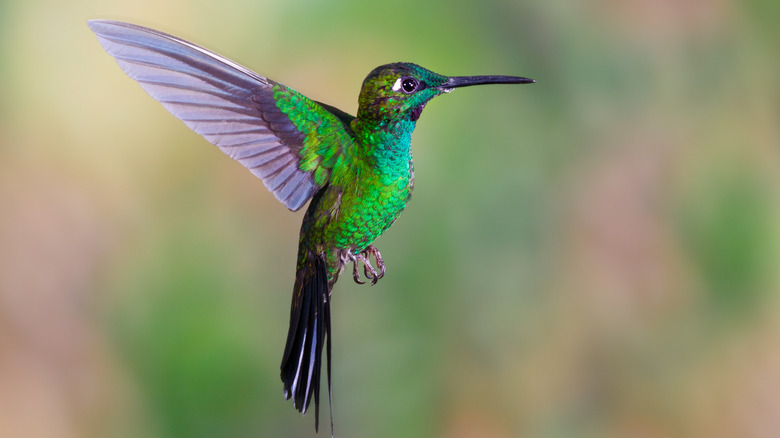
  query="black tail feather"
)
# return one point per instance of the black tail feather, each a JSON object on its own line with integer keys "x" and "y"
{"x": 309, "y": 325}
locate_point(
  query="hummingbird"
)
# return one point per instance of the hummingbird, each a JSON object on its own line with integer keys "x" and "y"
{"x": 356, "y": 172}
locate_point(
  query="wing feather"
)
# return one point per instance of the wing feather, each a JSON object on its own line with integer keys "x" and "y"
{"x": 252, "y": 119}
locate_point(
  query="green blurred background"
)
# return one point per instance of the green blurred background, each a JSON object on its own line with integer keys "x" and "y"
{"x": 594, "y": 255}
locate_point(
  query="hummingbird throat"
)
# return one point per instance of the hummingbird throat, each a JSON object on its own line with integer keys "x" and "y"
{"x": 416, "y": 111}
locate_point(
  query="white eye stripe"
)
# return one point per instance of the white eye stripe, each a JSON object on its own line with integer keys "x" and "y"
{"x": 397, "y": 84}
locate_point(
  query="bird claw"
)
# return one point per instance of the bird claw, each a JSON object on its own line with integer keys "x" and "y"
{"x": 368, "y": 268}
{"x": 369, "y": 272}
{"x": 355, "y": 272}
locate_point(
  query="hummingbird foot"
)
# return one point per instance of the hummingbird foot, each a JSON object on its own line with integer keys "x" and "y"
{"x": 369, "y": 272}
{"x": 355, "y": 272}
{"x": 348, "y": 257}
{"x": 368, "y": 269}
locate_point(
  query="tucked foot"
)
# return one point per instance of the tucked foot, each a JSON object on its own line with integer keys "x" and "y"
{"x": 369, "y": 271}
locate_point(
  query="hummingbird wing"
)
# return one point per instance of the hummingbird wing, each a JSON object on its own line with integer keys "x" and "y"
{"x": 286, "y": 139}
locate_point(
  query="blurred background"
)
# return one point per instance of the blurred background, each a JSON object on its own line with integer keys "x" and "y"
{"x": 594, "y": 255}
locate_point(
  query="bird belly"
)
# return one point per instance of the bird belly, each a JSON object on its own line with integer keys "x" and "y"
{"x": 361, "y": 201}
{"x": 368, "y": 209}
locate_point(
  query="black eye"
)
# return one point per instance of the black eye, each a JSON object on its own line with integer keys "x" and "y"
{"x": 409, "y": 84}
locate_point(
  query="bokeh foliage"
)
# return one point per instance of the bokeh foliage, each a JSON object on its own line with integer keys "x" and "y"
{"x": 594, "y": 255}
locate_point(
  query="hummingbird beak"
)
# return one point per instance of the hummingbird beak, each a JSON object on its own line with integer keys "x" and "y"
{"x": 467, "y": 81}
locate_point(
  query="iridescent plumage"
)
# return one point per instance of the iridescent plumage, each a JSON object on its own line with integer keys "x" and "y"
{"x": 357, "y": 171}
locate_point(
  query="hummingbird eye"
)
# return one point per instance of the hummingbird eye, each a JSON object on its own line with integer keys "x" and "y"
{"x": 409, "y": 84}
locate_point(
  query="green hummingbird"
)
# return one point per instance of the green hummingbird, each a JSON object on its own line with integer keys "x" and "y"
{"x": 356, "y": 170}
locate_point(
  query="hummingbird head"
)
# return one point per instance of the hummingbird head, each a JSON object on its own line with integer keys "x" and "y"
{"x": 399, "y": 91}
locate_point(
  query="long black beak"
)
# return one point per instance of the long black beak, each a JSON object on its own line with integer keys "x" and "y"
{"x": 467, "y": 81}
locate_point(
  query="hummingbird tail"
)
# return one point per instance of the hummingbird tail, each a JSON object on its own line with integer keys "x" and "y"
{"x": 309, "y": 325}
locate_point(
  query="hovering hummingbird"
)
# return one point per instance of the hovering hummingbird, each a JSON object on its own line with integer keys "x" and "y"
{"x": 357, "y": 171}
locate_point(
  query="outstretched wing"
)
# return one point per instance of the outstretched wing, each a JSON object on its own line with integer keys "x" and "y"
{"x": 289, "y": 141}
